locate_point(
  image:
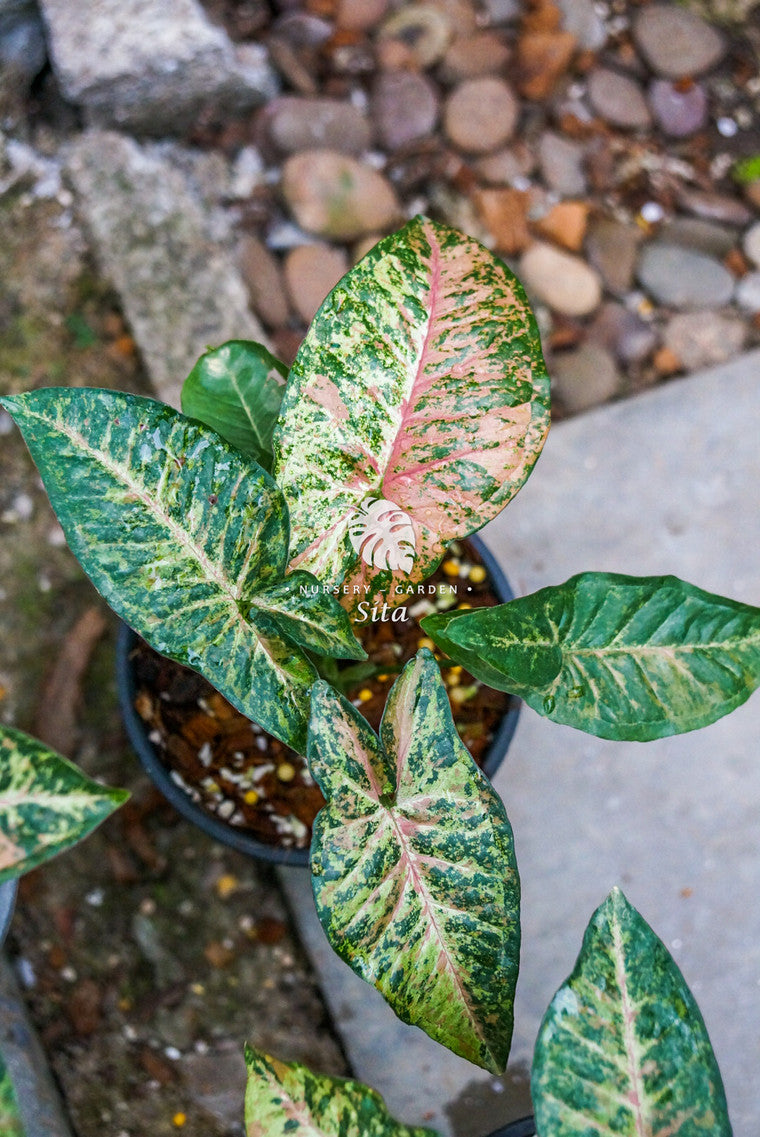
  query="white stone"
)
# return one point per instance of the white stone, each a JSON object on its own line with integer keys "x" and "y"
{"x": 752, "y": 243}
{"x": 180, "y": 289}
{"x": 748, "y": 292}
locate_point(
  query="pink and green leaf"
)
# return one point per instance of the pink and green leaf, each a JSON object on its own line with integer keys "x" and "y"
{"x": 413, "y": 864}
{"x": 46, "y": 803}
{"x": 419, "y": 393}
{"x": 285, "y": 1099}
{"x": 623, "y": 1047}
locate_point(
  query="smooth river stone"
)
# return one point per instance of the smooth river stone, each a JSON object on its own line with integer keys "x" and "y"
{"x": 683, "y": 278}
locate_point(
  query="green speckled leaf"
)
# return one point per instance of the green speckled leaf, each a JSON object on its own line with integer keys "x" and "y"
{"x": 180, "y": 532}
{"x": 10, "y": 1118}
{"x": 288, "y": 1100}
{"x": 413, "y": 864}
{"x": 311, "y": 616}
{"x": 621, "y": 657}
{"x": 623, "y": 1049}
{"x": 237, "y": 389}
{"x": 46, "y": 804}
{"x": 415, "y": 409}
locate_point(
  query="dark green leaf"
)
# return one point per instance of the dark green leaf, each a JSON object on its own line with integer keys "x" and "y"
{"x": 621, "y": 657}
{"x": 413, "y": 864}
{"x": 180, "y": 532}
{"x": 46, "y": 803}
{"x": 287, "y": 1100}
{"x": 237, "y": 389}
{"x": 623, "y": 1048}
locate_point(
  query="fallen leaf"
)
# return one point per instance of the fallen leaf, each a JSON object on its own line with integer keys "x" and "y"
{"x": 541, "y": 58}
{"x": 55, "y": 722}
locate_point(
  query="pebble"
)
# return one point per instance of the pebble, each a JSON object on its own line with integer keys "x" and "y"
{"x": 581, "y": 19}
{"x": 684, "y": 278}
{"x": 748, "y": 292}
{"x": 562, "y": 281}
{"x": 506, "y": 167}
{"x": 333, "y": 195}
{"x": 360, "y": 15}
{"x": 561, "y": 162}
{"x": 423, "y": 30}
{"x": 481, "y": 115}
{"x": 714, "y": 206}
{"x": 751, "y": 243}
{"x": 612, "y": 248}
{"x": 704, "y": 236}
{"x": 501, "y": 11}
{"x": 623, "y": 333}
{"x": 676, "y": 42}
{"x": 618, "y": 99}
{"x": 702, "y": 339}
{"x": 585, "y": 376}
{"x": 404, "y": 107}
{"x": 469, "y": 57}
{"x": 297, "y": 123}
{"x": 311, "y": 271}
{"x": 678, "y": 112}
{"x": 262, "y": 276}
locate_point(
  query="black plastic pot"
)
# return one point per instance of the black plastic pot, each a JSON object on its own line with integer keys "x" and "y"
{"x": 241, "y": 839}
{"x": 525, "y": 1127}
{"x": 7, "y": 904}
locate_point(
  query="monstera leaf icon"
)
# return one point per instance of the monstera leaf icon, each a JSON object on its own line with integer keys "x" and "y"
{"x": 383, "y": 535}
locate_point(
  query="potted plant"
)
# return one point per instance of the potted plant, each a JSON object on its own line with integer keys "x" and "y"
{"x": 416, "y": 408}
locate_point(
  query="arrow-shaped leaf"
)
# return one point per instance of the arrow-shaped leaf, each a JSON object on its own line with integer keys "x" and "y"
{"x": 288, "y": 1100}
{"x": 413, "y": 864}
{"x": 10, "y": 1118}
{"x": 617, "y": 656}
{"x": 236, "y": 389}
{"x": 415, "y": 409}
{"x": 623, "y": 1048}
{"x": 46, "y": 803}
{"x": 181, "y": 533}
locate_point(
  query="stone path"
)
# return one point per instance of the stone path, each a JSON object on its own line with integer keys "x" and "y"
{"x": 663, "y": 483}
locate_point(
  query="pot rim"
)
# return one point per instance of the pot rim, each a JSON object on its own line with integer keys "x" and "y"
{"x": 524, "y": 1127}
{"x": 8, "y": 892}
{"x": 241, "y": 839}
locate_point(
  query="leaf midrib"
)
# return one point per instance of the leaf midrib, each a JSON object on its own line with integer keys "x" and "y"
{"x": 49, "y": 800}
{"x": 630, "y": 1042}
{"x": 212, "y": 571}
{"x": 429, "y": 906}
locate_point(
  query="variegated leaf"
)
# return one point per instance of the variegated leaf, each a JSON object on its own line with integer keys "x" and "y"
{"x": 421, "y": 386}
{"x": 180, "y": 532}
{"x": 288, "y": 1100}
{"x": 413, "y": 864}
{"x": 10, "y": 1118}
{"x": 623, "y": 1048}
{"x": 310, "y": 615}
{"x": 46, "y": 803}
{"x": 236, "y": 389}
{"x": 620, "y": 657}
